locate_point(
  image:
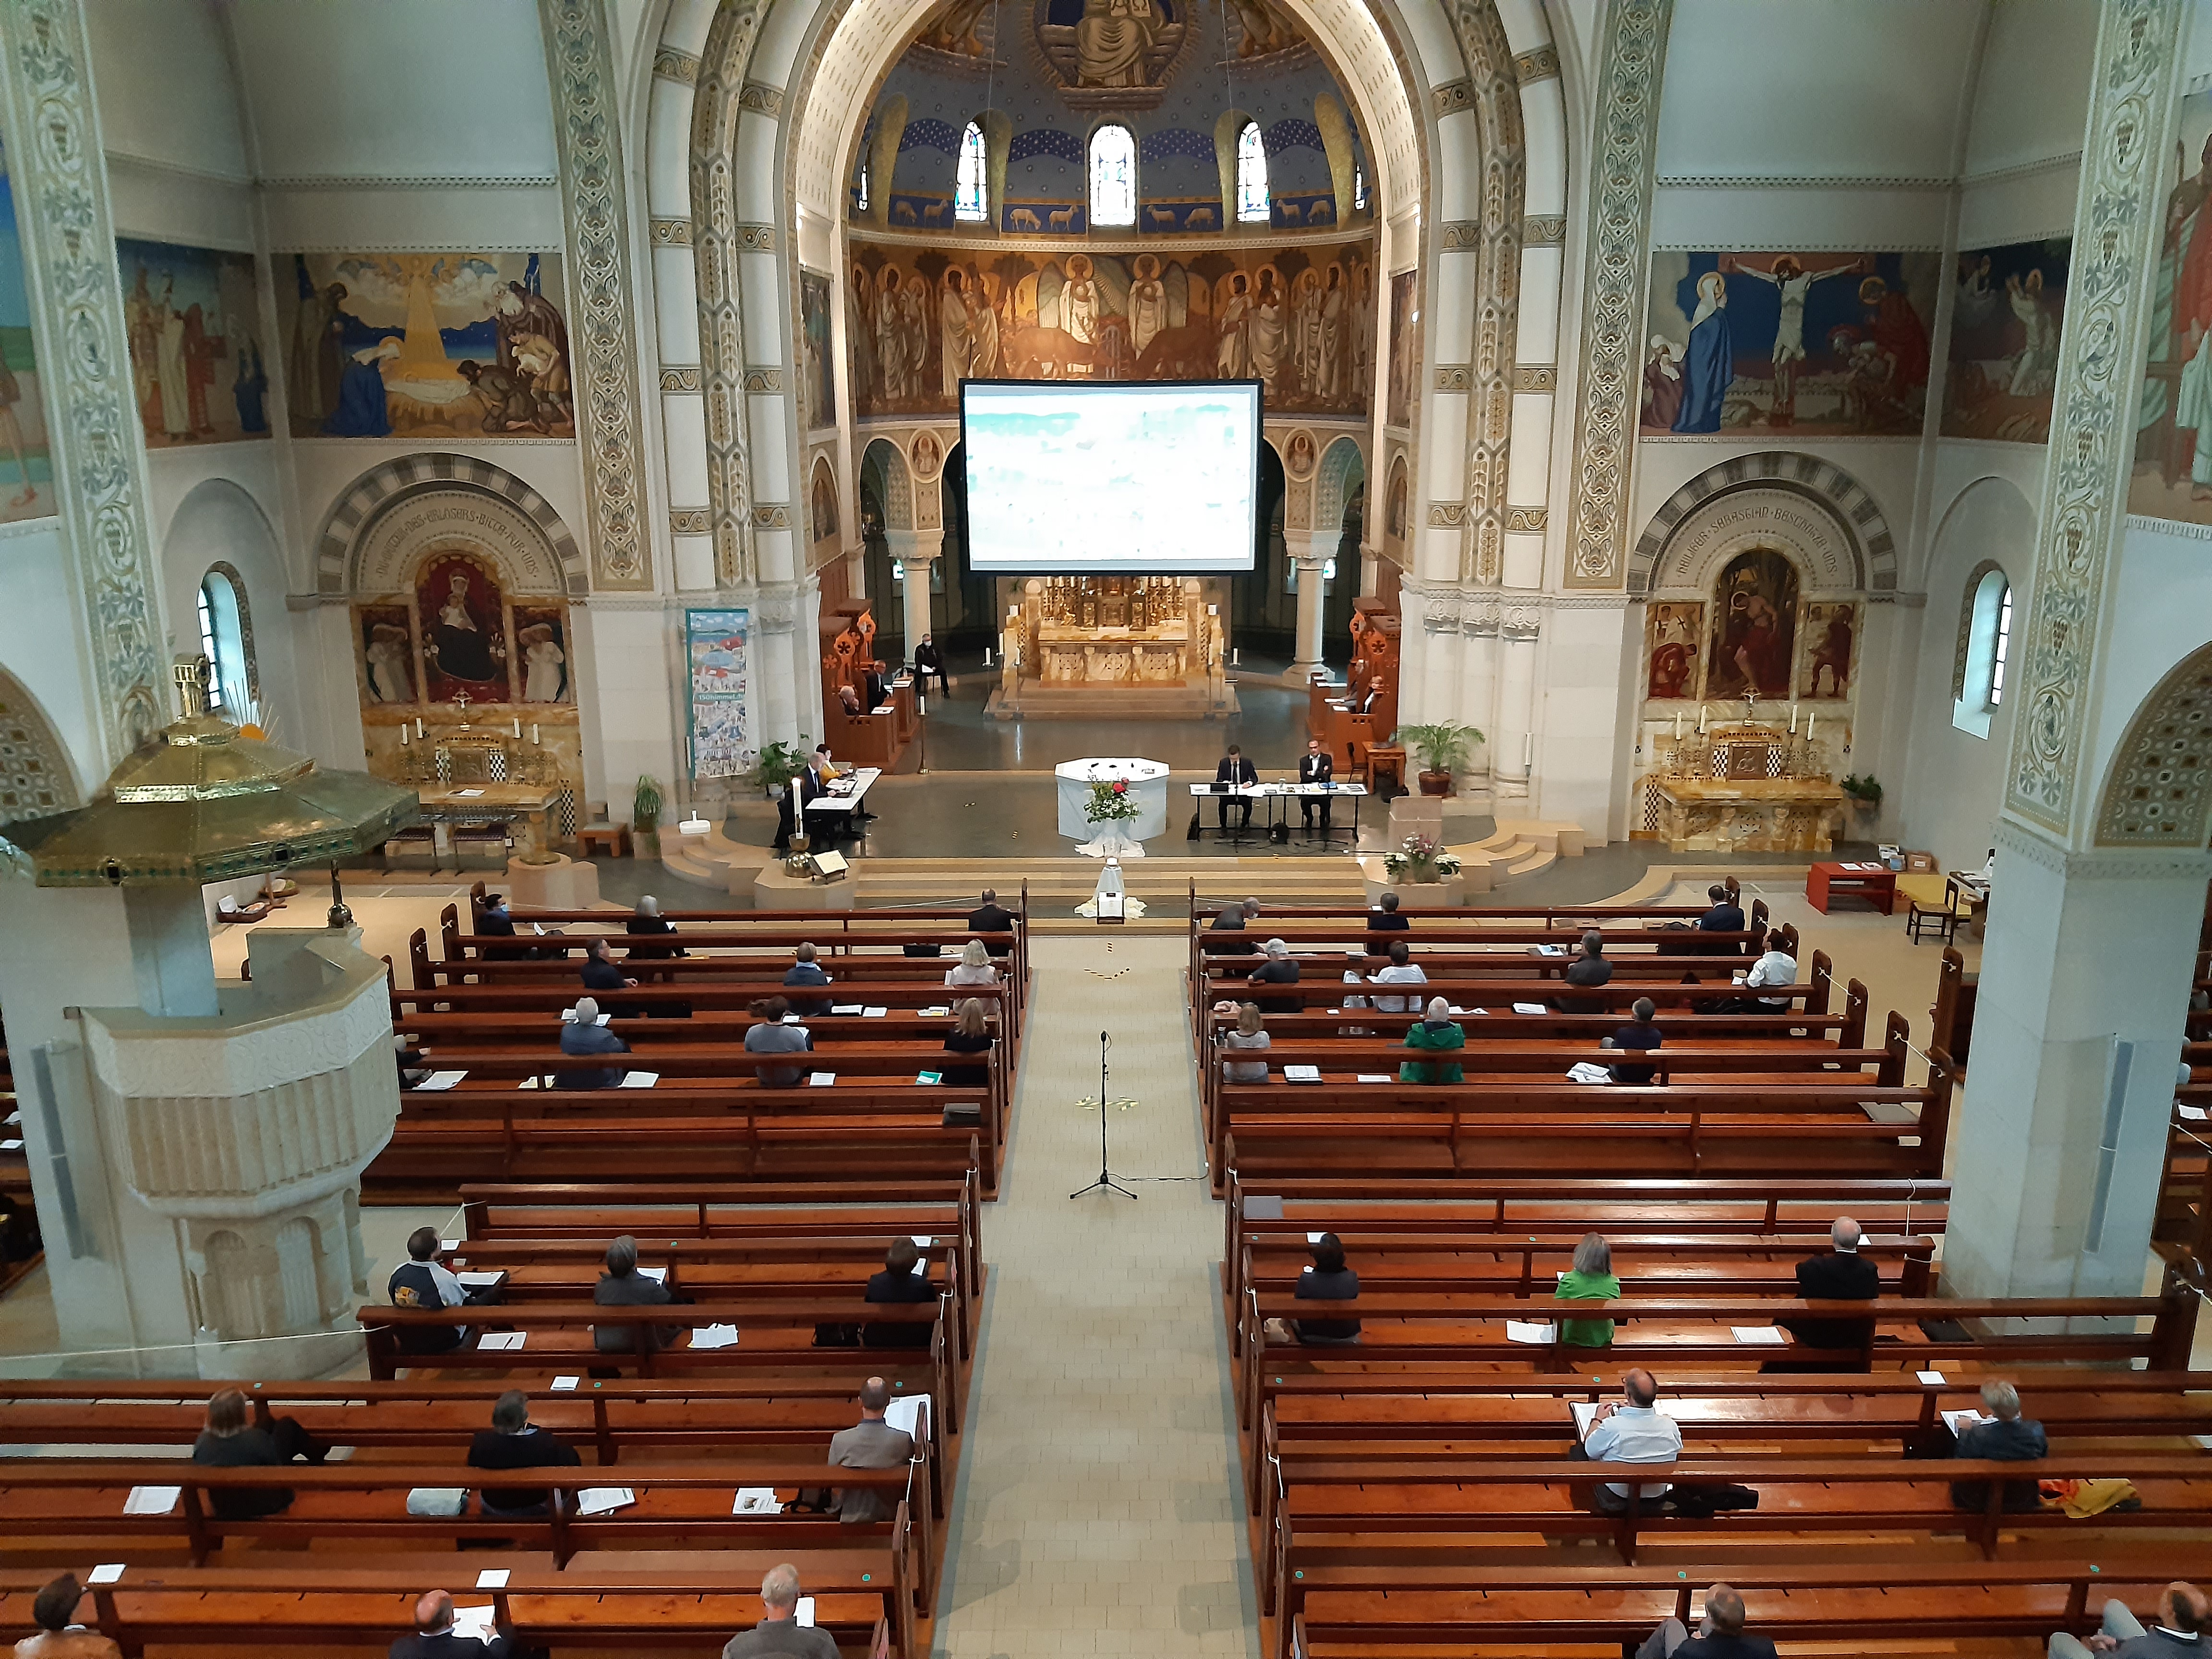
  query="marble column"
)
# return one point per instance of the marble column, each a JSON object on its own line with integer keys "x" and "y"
{"x": 916, "y": 551}
{"x": 1517, "y": 693}
{"x": 1311, "y": 562}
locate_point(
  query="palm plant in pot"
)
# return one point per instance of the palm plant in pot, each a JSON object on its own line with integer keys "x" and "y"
{"x": 1441, "y": 748}
{"x": 645, "y": 807}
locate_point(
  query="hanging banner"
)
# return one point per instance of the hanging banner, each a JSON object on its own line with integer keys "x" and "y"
{"x": 714, "y": 652}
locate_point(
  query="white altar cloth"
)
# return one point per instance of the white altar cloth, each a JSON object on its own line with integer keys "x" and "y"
{"x": 1148, "y": 783}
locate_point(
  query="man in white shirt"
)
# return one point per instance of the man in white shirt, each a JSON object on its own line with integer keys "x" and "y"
{"x": 1632, "y": 1429}
{"x": 1402, "y": 971}
{"x": 1776, "y": 968}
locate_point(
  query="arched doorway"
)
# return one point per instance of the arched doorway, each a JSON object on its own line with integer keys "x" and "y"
{"x": 1262, "y": 609}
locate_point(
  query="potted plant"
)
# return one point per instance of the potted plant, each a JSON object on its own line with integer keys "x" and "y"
{"x": 645, "y": 808}
{"x": 1441, "y": 748}
{"x": 1864, "y": 792}
{"x": 778, "y": 765}
{"x": 1419, "y": 859}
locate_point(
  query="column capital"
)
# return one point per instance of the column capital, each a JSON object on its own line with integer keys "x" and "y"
{"x": 2016, "y": 837}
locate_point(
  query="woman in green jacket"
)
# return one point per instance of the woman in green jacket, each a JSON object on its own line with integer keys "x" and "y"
{"x": 1438, "y": 1031}
{"x": 1590, "y": 1279}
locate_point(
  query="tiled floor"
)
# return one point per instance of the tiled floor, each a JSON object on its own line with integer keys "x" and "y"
{"x": 1096, "y": 1511}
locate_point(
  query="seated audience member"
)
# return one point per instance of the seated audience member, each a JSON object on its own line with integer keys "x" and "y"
{"x": 848, "y": 699}
{"x": 1589, "y": 970}
{"x": 1632, "y": 1430}
{"x": 770, "y": 1033}
{"x": 1231, "y": 918}
{"x": 974, "y": 966}
{"x": 1280, "y": 968}
{"x": 582, "y": 1034}
{"x": 806, "y": 971}
{"x": 1327, "y": 1281}
{"x": 54, "y": 1612}
{"x": 870, "y": 1443}
{"x": 494, "y": 920}
{"x": 1384, "y": 917}
{"x": 779, "y": 1632}
{"x": 905, "y": 1278}
{"x": 1839, "y": 1276}
{"x": 624, "y": 1286}
{"x": 513, "y": 1442}
{"x": 991, "y": 917}
{"x": 1590, "y": 1279}
{"x": 2006, "y": 1437}
{"x": 423, "y": 1281}
{"x": 1355, "y": 973}
{"x": 230, "y": 1442}
{"x": 601, "y": 971}
{"x": 1250, "y": 1034}
{"x": 929, "y": 662}
{"x": 1438, "y": 1031}
{"x": 2179, "y": 1633}
{"x": 435, "y": 1638}
{"x": 970, "y": 1035}
{"x": 1402, "y": 971}
{"x": 1725, "y": 917}
{"x": 1642, "y": 1036}
{"x": 647, "y": 919}
{"x": 1720, "y": 1633}
{"x": 1776, "y": 968}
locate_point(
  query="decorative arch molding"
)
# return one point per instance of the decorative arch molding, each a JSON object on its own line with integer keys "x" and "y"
{"x": 2158, "y": 791}
{"x": 1339, "y": 462}
{"x": 1836, "y": 495}
{"x": 391, "y": 509}
{"x": 36, "y": 777}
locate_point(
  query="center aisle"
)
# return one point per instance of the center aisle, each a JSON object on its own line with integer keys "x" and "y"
{"x": 1094, "y": 1513}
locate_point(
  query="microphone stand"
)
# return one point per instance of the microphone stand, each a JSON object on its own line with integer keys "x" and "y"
{"x": 1105, "y": 1175}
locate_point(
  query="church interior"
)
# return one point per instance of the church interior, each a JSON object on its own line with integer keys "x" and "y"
{"x": 692, "y": 692}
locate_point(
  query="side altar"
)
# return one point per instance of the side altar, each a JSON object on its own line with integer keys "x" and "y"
{"x": 1749, "y": 787}
{"x": 1114, "y": 648}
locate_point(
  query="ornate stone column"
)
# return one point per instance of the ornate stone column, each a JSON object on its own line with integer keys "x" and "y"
{"x": 1313, "y": 593}
{"x": 916, "y": 551}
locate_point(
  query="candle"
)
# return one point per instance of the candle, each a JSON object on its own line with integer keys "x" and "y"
{"x": 1528, "y": 749}
{"x": 1809, "y": 719}
{"x": 533, "y": 731}
{"x": 1237, "y": 657}
{"x": 1701, "y": 719}
{"x": 986, "y": 656}
{"x": 403, "y": 736}
{"x": 1678, "y": 725}
{"x": 518, "y": 725}
{"x": 418, "y": 725}
{"x": 1793, "y": 719}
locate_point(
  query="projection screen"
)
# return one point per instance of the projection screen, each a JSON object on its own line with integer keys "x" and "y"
{"x": 1139, "y": 478}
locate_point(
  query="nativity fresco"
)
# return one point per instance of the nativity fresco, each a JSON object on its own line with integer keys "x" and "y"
{"x": 2007, "y": 309}
{"x": 1298, "y": 319}
{"x": 383, "y": 345}
{"x": 1820, "y": 345}
{"x": 2172, "y": 477}
{"x": 198, "y": 374}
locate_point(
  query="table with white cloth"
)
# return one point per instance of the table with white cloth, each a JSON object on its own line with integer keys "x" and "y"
{"x": 1148, "y": 786}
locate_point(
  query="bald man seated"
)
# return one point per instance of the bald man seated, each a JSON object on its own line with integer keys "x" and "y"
{"x": 1720, "y": 1633}
{"x": 1842, "y": 1275}
{"x": 435, "y": 1638}
{"x": 2178, "y": 1634}
{"x": 778, "y": 1630}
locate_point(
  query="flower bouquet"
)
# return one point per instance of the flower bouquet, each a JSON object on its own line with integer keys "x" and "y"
{"x": 1419, "y": 858}
{"x": 1111, "y": 805}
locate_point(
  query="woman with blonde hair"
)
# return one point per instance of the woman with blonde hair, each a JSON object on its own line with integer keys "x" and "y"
{"x": 970, "y": 1035}
{"x": 1250, "y": 1033}
{"x": 975, "y": 967}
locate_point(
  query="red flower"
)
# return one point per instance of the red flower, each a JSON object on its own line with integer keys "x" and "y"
{"x": 1121, "y": 788}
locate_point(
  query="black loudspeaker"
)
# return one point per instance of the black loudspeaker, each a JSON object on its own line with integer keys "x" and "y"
{"x": 965, "y": 1115}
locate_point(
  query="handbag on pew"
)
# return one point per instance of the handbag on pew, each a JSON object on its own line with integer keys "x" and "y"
{"x": 1702, "y": 1503}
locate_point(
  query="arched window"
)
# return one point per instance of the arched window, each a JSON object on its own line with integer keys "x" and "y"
{"x": 1113, "y": 177}
{"x": 1251, "y": 176}
{"x": 1358, "y": 187}
{"x": 1984, "y": 644}
{"x": 968, "y": 192}
{"x": 223, "y": 642}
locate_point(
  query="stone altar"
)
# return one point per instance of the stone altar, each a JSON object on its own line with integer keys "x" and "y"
{"x": 1113, "y": 647}
{"x": 1745, "y": 788}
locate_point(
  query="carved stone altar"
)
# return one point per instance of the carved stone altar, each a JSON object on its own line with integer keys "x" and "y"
{"x": 1113, "y": 647}
{"x": 1746, "y": 789}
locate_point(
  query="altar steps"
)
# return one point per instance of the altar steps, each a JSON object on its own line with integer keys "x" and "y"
{"x": 1064, "y": 883}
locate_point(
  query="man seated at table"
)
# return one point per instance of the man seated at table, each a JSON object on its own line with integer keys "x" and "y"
{"x": 992, "y": 917}
{"x": 1315, "y": 766}
{"x": 601, "y": 971}
{"x": 1238, "y": 773}
{"x": 804, "y": 970}
{"x": 582, "y": 1034}
{"x": 513, "y": 1442}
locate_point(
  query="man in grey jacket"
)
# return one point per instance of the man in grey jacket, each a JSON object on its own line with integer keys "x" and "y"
{"x": 2178, "y": 1633}
{"x": 870, "y": 1443}
{"x": 624, "y": 1286}
{"x": 778, "y": 1630}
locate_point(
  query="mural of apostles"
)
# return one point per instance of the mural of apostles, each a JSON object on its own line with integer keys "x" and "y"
{"x": 1755, "y": 627}
{"x": 380, "y": 345}
{"x": 817, "y": 385}
{"x": 1831, "y": 630}
{"x": 2172, "y": 475}
{"x": 197, "y": 368}
{"x": 1820, "y": 343}
{"x": 1299, "y": 319}
{"x": 1405, "y": 351}
{"x": 2006, "y": 313}
{"x": 1674, "y": 633}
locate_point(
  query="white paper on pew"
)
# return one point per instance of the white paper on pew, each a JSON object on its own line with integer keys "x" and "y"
{"x": 1758, "y": 1336}
{"x": 1961, "y": 1421}
{"x": 501, "y": 1341}
{"x": 2194, "y": 1113}
{"x": 935, "y": 1011}
{"x": 822, "y": 1080}
{"x": 1585, "y": 1412}
{"x": 474, "y": 1622}
{"x": 493, "y": 1578}
{"x": 657, "y": 1275}
{"x": 152, "y": 1500}
{"x": 1933, "y": 1379}
{"x": 1376, "y": 1077}
{"x": 875, "y": 1013}
{"x": 440, "y": 1080}
{"x": 527, "y": 1083}
{"x": 805, "y": 1614}
{"x": 447, "y": 1246}
{"x": 568, "y": 1017}
{"x": 482, "y": 1280}
{"x": 11, "y": 1145}
{"x": 845, "y": 1008}
{"x": 107, "y": 1572}
{"x": 1583, "y": 1071}
{"x": 14, "y": 1118}
{"x": 640, "y": 1079}
{"x": 604, "y": 1500}
{"x": 1316, "y": 1238}
{"x": 566, "y": 1384}
{"x": 2202, "y": 1440}
{"x": 756, "y": 1500}
{"x": 906, "y": 1413}
{"x": 1551, "y": 950}
{"x": 713, "y": 1336}
{"x": 1531, "y": 1330}
{"x": 1530, "y": 1008}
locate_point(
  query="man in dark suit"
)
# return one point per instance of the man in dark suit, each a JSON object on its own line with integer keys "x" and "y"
{"x": 601, "y": 971}
{"x": 1238, "y": 772}
{"x": 1589, "y": 970}
{"x": 1315, "y": 766}
{"x": 1725, "y": 917}
{"x": 779, "y": 1632}
{"x": 434, "y": 1636}
{"x": 1841, "y": 1276}
{"x": 513, "y": 1442}
{"x": 876, "y": 689}
{"x": 1384, "y": 917}
{"x": 905, "y": 1277}
{"x": 991, "y": 917}
{"x": 928, "y": 663}
{"x": 1720, "y": 1633}
{"x": 495, "y": 921}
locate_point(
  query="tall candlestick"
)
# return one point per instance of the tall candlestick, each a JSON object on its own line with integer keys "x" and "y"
{"x": 1678, "y": 725}
{"x": 533, "y": 731}
{"x": 1237, "y": 657}
{"x": 418, "y": 725}
{"x": 1528, "y": 749}
{"x": 1701, "y": 719}
{"x": 1809, "y": 719}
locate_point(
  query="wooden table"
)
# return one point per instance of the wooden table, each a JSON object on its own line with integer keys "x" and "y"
{"x": 1876, "y": 882}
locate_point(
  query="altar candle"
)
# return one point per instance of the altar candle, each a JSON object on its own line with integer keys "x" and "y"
{"x": 1793, "y": 719}
{"x": 418, "y": 725}
{"x": 518, "y": 725}
{"x": 1701, "y": 719}
{"x": 533, "y": 731}
{"x": 1678, "y": 725}
{"x": 1528, "y": 749}
{"x": 1809, "y": 719}
{"x": 403, "y": 736}
{"x": 1237, "y": 657}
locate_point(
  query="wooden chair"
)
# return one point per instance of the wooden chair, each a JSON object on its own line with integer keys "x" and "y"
{"x": 1929, "y": 903}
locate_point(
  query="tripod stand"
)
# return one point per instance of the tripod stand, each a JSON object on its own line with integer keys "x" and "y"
{"x": 1105, "y": 1175}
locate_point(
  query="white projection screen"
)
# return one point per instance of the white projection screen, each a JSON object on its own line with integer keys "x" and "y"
{"x": 1155, "y": 477}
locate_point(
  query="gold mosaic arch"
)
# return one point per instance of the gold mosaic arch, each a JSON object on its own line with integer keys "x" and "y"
{"x": 36, "y": 777}
{"x": 2159, "y": 792}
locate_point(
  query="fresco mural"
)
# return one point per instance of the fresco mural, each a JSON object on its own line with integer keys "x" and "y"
{"x": 462, "y": 625}
{"x": 2172, "y": 475}
{"x": 25, "y": 468}
{"x": 1818, "y": 344}
{"x": 1830, "y": 632}
{"x": 923, "y": 320}
{"x": 381, "y": 345}
{"x": 198, "y": 371}
{"x": 1674, "y": 634}
{"x": 461, "y": 632}
{"x": 1405, "y": 351}
{"x": 2006, "y": 314}
{"x": 817, "y": 384}
{"x": 1755, "y": 627}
